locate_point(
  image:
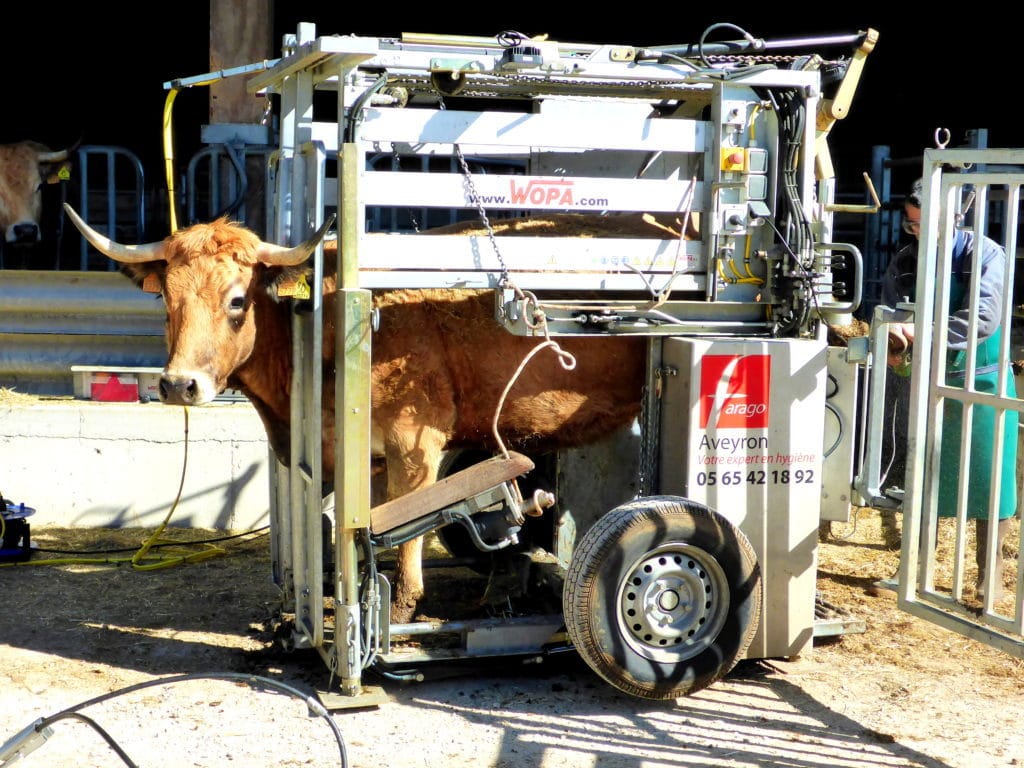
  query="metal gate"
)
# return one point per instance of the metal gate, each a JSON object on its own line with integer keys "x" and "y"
{"x": 958, "y": 187}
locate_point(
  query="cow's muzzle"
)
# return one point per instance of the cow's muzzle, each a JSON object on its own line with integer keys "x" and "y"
{"x": 179, "y": 390}
{"x": 23, "y": 232}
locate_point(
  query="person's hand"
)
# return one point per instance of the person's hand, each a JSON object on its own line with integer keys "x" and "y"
{"x": 901, "y": 338}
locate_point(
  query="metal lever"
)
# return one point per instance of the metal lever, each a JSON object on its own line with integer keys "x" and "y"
{"x": 844, "y": 208}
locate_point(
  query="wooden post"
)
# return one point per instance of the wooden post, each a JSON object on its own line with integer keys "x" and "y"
{"x": 241, "y": 33}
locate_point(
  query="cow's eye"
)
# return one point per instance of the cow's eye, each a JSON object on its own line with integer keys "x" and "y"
{"x": 236, "y": 304}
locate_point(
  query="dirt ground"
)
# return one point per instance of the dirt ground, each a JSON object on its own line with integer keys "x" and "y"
{"x": 160, "y": 658}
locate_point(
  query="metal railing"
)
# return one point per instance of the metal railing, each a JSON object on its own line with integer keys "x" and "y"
{"x": 111, "y": 198}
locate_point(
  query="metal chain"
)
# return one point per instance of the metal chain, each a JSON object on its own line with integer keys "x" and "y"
{"x": 488, "y": 84}
{"x": 396, "y": 160}
{"x": 535, "y": 319}
{"x": 738, "y": 58}
{"x": 475, "y": 197}
{"x": 650, "y": 420}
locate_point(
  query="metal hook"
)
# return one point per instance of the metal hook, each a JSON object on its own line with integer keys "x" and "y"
{"x": 961, "y": 217}
{"x": 849, "y": 208}
{"x": 941, "y": 143}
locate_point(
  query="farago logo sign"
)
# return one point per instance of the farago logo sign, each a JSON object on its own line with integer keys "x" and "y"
{"x": 734, "y": 391}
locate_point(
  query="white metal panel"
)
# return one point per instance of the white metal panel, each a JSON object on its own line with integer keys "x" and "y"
{"x": 841, "y": 418}
{"x": 569, "y": 262}
{"x": 742, "y": 429}
{"x": 509, "y": 129}
{"x": 510, "y": 192}
{"x": 391, "y": 278}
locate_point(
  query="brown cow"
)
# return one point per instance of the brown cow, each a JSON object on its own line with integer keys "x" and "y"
{"x": 440, "y": 362}
{"x": 24, "y": 168}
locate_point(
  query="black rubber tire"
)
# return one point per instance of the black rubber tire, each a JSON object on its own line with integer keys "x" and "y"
{"x": 629, "y": 598}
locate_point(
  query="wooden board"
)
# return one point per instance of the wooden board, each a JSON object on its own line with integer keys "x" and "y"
{"x": 454, "y": 488}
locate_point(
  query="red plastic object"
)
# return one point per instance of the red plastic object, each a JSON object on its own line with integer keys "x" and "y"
{"x": 109, "y": 388}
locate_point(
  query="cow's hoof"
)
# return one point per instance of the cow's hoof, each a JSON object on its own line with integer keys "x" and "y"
{"x": 403, "y": 613}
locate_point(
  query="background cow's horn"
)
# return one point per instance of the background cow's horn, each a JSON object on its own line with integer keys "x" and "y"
{"x": 53, "y": 157}
{"x": 126, "y": 254}
{"x": 281, "y": 256}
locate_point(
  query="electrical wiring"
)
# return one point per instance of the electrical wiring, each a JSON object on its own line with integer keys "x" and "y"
{"x": 256, "y": 682}
{"x": 722, "y": 25}
{"x": 840, "y": 420}
{"x": 749, "y": 277}
{"x": 839, "y": 435}
{"x": 111, "y": 742}
{"x": 853, "y": 530}
{"x": 796, "y": 320}
{"x": 370, "y": 598}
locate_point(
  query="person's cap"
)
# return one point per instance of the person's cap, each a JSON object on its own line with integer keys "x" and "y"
{"x": 915, "y": 194}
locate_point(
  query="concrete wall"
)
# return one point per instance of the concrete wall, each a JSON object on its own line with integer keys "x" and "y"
{"x": 84, "y": 463}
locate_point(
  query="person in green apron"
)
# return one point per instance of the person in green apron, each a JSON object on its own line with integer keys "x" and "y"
{"x": 898, "y": 285}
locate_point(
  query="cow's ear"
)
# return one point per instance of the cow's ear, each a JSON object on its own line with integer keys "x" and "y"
{"x": 286, "y": 282}
{"x": 55, "y": 174}
{"x": 147, "y": 275}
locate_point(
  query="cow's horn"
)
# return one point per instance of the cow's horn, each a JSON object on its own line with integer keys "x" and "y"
{"x": 281, "y": 256}
{"x": 126, "y": 254}
{"x": 52, "y": 157}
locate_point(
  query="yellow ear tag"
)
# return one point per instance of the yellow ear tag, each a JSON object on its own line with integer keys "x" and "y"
{"x": 297, "y": 288}
{"x": 151, "y": 283}
{"x": 64, "y": 173}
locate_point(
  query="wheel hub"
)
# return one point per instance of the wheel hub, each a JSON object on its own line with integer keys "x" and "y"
{"x": 672, "y": 602}
{"x": 668, "y": 600}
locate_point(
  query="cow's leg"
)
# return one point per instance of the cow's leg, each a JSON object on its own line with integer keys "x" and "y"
{"x": 413, "y": 460}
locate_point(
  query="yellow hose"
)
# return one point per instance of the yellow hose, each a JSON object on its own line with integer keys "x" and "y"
{"x": 169, "y": 158}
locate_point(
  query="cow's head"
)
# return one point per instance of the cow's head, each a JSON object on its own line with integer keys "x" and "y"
{"x": 24, "y": 168}
{"x": 209, "y": 275}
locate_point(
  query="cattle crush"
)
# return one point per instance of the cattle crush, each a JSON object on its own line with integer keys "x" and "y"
{"x": 676, "y": 546}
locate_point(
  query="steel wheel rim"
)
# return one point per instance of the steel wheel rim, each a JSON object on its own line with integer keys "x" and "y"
{"x": 672, "y": 602}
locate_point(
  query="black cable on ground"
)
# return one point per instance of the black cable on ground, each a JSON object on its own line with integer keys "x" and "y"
{"x": 254, "y": 681}
{"x": 101, "y": 731}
